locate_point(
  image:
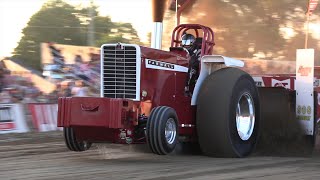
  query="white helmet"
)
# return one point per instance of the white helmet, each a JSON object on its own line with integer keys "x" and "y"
{"x": 187, "y": 40}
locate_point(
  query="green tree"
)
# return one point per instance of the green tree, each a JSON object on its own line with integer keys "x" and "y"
{"x": 55, "y": 22}
{"x": 112, "y": 32}
{"x": 63, "y": 23}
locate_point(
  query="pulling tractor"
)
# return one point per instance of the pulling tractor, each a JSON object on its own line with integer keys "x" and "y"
{"x": 143, "y": 100}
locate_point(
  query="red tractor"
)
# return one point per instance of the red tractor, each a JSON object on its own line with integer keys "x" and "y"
{"x": 143, "y": 100}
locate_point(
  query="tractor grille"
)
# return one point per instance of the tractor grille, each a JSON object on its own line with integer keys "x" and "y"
{"x": 120, "y": 69}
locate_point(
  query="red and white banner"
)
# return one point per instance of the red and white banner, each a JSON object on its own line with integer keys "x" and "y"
{"x": 287, "y": 82}
{"x": 44, "y": 116}
{"x": 312, "y": 5}
{"x": 12, "y": 119}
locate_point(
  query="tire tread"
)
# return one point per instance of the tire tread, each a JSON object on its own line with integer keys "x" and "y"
{"x": 155, "y": 139}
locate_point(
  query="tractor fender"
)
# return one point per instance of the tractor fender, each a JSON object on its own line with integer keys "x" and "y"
{"x": 209, "y": 64}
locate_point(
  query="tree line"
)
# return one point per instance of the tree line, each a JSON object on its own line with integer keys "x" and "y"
{"x": 62, "y": 23}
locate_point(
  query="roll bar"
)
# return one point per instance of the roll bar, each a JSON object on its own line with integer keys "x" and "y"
{"x": 199, "y": 31}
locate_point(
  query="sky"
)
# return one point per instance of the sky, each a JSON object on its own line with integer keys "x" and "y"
{"x": 15, "y": 14}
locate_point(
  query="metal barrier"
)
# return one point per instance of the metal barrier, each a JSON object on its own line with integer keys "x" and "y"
{"x": 12, "y": 119}
{"x": 44, "y": 116}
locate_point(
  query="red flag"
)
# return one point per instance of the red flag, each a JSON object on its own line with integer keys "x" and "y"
{"x": 312, "y": 5}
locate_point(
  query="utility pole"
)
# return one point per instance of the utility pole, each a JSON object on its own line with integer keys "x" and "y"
{"x": 91, "y": 38}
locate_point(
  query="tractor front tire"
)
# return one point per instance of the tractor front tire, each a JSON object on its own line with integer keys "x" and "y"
{"x": 162, "y": 130}
{"x": 228, "y": 114}
{"x": 71, "y": 141}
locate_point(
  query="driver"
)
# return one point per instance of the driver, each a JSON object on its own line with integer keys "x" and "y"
{"x": 188, "y": 42}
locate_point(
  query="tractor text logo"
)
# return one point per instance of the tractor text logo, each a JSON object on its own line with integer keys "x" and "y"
{"x": 160, "y": 64}
{"x": 304, "y": 71}
{"x": 281, "y": 83}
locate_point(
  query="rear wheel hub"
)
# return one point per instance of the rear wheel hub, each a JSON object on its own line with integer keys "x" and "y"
{"x": 245, "y": 116}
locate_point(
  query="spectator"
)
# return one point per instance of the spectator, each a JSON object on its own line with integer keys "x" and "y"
{"x": 79, "y": 89}
{"x": 5, "y": 96}
{"x": 42, "y": 98}
{"x": 65, "y": 90}
{"x": 78, "y": 59}
{"x": 30, "y": 93}
{"x": 21, "y": 90}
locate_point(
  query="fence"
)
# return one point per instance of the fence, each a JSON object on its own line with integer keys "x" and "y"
{"x": 18, "y": 118}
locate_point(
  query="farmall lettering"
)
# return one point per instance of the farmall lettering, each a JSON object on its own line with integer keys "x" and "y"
{"x": 161, "y": 64}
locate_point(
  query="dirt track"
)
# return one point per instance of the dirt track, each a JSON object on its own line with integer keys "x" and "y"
{"x": 44, "y": 156}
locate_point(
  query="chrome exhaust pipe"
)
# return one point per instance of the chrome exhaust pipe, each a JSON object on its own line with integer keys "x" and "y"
{"x": 156, "y": 37}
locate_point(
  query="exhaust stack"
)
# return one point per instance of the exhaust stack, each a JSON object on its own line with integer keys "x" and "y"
{"x": 158, "y": 7}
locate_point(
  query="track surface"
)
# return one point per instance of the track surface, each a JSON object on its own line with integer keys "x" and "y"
{"x": 44, "y": 156}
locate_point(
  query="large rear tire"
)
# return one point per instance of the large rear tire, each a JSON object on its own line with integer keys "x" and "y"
{"x": 71, "y": 141}
{"x": 162, "y": 130}
{"x": 228, "y": 114}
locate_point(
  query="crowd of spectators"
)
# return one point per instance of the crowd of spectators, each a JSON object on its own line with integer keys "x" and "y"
{"x": 20, "y": 89}
{"x": 16, "y": 89}
{"x": 70, "y": 88}
{"x": 82, "y": 76}
{"x": 79, "y": 79}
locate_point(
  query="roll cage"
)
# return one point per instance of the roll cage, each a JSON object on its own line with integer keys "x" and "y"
{"x": 204, "y": 35}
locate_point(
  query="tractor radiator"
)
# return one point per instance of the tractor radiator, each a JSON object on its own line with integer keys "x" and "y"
{"x": 120, "y": 71}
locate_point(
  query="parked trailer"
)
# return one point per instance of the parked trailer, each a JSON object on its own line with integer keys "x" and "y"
{"x": 143, "y": 100}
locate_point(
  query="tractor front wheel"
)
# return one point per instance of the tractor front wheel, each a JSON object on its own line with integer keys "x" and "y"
{"x": 71, "y": 141}
{"x": 162, "y": 130}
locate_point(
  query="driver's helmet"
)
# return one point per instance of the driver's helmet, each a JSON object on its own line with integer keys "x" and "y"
{"x": 187, "y": 40}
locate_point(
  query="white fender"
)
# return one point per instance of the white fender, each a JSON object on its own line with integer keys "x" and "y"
{"x": 209, "y": 64}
